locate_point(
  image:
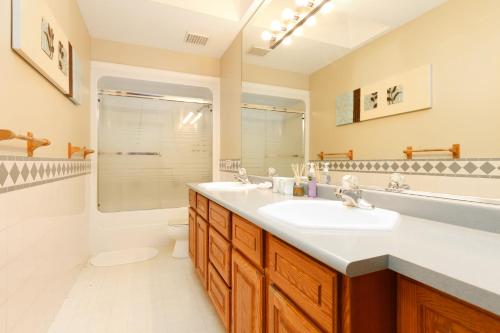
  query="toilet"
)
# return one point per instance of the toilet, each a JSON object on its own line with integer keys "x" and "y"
{"x": 178, "y": 231}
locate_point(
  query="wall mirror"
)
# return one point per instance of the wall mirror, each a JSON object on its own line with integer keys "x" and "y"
{"x": 407, "y": 86}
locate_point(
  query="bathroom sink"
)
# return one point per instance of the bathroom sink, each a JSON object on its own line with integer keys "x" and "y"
{"x": 227, "y": 186}
{"x": 332, "y": 215}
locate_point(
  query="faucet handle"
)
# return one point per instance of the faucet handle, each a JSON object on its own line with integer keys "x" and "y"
{"x": 350, "y": 182}
{"x": 242, "y": 171}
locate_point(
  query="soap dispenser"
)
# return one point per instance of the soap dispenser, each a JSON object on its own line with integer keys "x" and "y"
{"x": 311, "y": 178}
{"x": 325, "y": 174}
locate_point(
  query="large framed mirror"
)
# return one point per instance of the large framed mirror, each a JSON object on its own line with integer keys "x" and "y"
{"x": 391, "y": 86}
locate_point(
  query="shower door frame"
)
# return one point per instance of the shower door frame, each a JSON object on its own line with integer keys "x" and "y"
{"x": 100, "y": 223}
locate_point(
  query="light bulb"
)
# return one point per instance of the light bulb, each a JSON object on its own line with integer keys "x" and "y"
{"x": 311, "y": 21}
{"x": 288, "y": 14}
{"x": 276, "y": 25}
{"x": 299, "y": 31}
{"x": 327, "y": 8}
{"x": 287, "y": 41}
{"x": 266, "y": 35}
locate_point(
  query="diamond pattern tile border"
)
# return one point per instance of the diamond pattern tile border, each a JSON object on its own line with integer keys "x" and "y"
{"x": 229, "y": 165}
{"x": 17, "y": 172}
{"x": 473, "y": 167}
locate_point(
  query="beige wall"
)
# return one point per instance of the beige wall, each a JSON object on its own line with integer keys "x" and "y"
{"x": 43, "y": 229}
{"x": 135, "y": 55}
{"x": 230, "y": 117}
{"x": 30, "y": 102}
{"x": 264, "y": 75}
{"x": 461, "y": 40}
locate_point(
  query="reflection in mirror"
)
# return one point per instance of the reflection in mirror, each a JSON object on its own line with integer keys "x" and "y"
{"x": 388, "y": 77}
{"x": 272, "y": 133}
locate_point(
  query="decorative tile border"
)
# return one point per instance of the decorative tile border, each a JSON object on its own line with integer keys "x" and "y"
{"x": 473, "y": 168}
{"x": 229, "y": 165}
{"x": 17, "y": 172}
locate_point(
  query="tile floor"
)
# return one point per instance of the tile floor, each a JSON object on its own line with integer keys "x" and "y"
{"x": 162, "y": 295}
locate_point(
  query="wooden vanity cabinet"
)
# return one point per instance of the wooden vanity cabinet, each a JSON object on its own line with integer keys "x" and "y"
{"x": 258, "y": 283}
{"x": 201, "y": 259}
{"x": 247, "y": 296}
{"x": 422, "y": 309}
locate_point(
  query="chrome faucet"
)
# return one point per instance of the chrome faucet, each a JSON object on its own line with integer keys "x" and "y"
{"x": 242, "y": 176}
{"x": 351, "y": 195}
{"x": 397, "y": 183}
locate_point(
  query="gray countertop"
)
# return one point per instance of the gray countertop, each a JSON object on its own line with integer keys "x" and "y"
{"x": 460, "y": 261}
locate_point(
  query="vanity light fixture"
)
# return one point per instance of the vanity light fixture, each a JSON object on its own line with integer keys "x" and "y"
{"x": 293, "y": 20}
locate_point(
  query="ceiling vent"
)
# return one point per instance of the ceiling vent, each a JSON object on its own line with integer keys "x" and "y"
{"x": 258, "y": 51}
{"x": 196, "y": 39}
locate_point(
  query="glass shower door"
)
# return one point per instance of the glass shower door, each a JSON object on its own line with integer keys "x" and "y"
{"x": 148, "y": 151}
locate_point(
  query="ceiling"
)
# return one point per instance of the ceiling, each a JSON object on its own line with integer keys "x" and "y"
{"x": 352, "y": 24}
{"x": 164, "y": 23}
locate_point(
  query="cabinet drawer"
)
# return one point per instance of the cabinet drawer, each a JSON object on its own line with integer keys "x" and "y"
{"x": 219, "y": 254}
{"x": 192, "y": 199}
{"x": 310, "y": 285}
{"x": 220, "y": 294}
{"x": 283, "y": 316}
{"x": 249, "y": 239}
{"x": 192, "y": 233}
{"x": 202, "y": 206}
{"x": 220, "y": 219}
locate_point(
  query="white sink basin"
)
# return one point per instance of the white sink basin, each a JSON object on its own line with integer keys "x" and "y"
{"x": 228, "y": 186}
{"x": 331, "y": 215}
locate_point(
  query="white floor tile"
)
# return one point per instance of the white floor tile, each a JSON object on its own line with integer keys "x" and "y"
{"x": 162, "y": 295}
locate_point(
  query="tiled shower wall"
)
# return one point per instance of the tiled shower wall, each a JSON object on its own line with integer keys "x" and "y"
{"x": 43, "y": 238}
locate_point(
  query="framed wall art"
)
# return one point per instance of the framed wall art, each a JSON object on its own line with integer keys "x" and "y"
{"x": 41, "y": 41}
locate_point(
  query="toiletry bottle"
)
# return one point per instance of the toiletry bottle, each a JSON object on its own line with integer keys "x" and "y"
{"x": 311, "y": 177}
{"x": 325, "y": 174}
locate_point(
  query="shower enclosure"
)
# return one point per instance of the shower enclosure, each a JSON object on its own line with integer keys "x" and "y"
{"x": 149, "y": 148}
{"x": 154, "y": 131}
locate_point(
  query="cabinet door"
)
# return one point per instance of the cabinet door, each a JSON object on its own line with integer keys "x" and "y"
{"x": 192, "y": 233}
{"x": 424, "y": 310}
{"x": 284, "y": 317}
{"x": 202, "y": 250}
{"x": 248, "y": 296}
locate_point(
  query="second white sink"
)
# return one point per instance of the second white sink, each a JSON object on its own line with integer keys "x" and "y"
{"x": 331, "y": 215}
